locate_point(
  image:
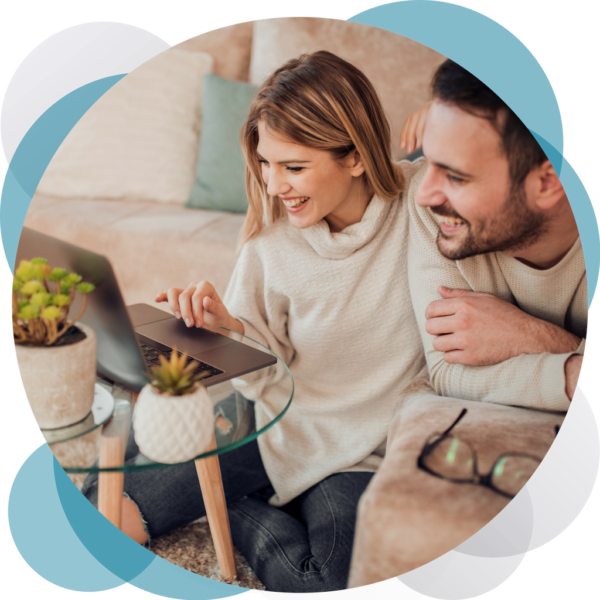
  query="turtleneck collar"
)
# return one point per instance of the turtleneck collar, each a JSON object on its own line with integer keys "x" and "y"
{"x": 344, "y": 243}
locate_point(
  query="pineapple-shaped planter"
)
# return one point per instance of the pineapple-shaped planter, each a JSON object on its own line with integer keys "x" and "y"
{"x": 173, "y": 417}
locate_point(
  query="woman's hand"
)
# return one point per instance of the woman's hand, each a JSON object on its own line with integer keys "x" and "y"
{"x": 411, "y": 136}
{"x": 199, "y": 304}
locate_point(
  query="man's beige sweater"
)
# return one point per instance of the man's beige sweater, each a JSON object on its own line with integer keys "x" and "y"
{"x": 337, "y": 309}
{"x": 557, "y": 295}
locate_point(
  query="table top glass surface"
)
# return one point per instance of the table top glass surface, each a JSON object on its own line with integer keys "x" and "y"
{"x": 233, "y": 412}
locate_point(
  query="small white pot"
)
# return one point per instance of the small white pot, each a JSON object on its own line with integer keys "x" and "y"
{"x": 173, "y": 429}
{"x": 59, "y": 381}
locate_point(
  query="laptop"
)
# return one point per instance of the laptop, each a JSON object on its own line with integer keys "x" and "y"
{"x": 131, "y": 339}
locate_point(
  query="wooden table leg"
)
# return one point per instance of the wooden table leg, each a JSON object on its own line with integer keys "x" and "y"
{"x": 113, "y": 441}
{"x": 211, "y": 484}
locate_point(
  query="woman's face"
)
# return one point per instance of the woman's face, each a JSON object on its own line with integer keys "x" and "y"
{"x": 310, "y": 183}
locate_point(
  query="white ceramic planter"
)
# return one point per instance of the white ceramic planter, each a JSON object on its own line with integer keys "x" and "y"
{"x": 59, "y": 381}
{"x": 173, "y": 429}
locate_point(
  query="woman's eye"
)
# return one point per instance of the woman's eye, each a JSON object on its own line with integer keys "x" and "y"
{"x": 295, "y": 169}
{"x": 263, "y": 162}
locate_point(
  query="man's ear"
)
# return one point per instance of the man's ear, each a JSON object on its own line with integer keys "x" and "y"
{"x": 547, "y": 188}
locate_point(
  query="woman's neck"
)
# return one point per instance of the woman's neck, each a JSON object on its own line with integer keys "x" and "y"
{"x": 352, "y": 210}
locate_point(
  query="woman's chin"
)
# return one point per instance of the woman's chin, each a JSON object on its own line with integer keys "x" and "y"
{"x": 302, "y": 221}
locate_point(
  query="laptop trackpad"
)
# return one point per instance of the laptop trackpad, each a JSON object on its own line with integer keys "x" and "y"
{"x": 173, "y": 332}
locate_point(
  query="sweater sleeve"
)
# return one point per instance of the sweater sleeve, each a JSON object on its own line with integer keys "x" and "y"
{"x": 532, "y": 380}
{"x": 261, "y": 309}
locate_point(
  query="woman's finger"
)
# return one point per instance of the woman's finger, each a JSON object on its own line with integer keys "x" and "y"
{"x": 408, "y": 132}
{"x": 161, "y": 297}
{"x": 185, "y": 305}
{"x": 197, "y": 304}
{"x": 173, "y": 300}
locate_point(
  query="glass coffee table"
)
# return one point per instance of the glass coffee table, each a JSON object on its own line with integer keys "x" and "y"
{"x": 233, "y": 402}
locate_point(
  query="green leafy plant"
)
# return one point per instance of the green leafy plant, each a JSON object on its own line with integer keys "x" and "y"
{"x": 176, "y": 377}
{"x": 42, "y": 297}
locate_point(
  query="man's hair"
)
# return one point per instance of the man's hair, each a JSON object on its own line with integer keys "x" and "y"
{"x": 455, "y": 85}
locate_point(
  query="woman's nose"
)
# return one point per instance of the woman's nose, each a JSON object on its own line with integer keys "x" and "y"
{"x": 276, "y": 183}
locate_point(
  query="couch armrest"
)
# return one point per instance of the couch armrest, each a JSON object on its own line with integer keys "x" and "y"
{"x": 407, "y": 517}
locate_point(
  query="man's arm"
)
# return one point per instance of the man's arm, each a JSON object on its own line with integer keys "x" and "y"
{"x": 536, "y": 378}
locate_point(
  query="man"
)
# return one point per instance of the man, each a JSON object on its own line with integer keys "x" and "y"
{"x": 497, "y": 274}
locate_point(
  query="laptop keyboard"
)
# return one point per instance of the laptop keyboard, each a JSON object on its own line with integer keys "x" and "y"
{"x": 151, "y": 356}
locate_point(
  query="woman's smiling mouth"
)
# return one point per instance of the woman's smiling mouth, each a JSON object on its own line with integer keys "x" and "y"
{"x": 294, "y": 204}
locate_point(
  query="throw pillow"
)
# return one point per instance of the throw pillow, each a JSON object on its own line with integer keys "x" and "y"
{"x": 140, "y": 140}
{"x": 219, "y": 183}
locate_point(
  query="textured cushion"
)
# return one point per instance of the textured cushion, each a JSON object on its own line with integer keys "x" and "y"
{"x": 407, "y": 517}
{"x": 400, "y": 69}
{"x": 219, "y": 183}
{"x": 230, "y": 47}
{"x": 140, "y": 140}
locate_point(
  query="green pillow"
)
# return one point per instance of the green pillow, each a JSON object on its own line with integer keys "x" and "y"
{"x": 219, "y": 183}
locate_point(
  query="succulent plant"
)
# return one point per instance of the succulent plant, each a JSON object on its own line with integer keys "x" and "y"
{"x": 176, "y": 377}
{"x": 42, "y": 297}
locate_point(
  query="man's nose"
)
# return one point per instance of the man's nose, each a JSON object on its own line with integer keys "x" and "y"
{"x": 430, "y": 192}
{"x": 276, "y": 183}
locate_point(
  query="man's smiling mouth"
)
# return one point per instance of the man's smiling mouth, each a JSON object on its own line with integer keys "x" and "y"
{"x": 450, "y": 221}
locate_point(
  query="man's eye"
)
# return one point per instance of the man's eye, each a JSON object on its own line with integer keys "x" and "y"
{"x": 455, "y": 179}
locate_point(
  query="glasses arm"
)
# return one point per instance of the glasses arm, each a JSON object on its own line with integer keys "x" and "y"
{"x": 463, "y": 412}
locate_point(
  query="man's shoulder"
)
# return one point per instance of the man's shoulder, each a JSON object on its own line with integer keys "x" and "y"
{"x": 423, "y": 224}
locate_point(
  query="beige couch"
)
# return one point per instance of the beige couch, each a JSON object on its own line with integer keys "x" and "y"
{"x": 152, "y": 240}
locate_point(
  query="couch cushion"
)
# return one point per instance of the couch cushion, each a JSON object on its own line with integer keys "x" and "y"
{"x": 140, "y": 140}
{"x": 219, "y": 182}
{"x": 230, "y": 47}
{"x": 399, "y": 68}
{"x": 151, "y": 246}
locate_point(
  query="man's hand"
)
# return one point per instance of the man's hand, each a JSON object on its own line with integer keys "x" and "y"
{"x": 475, "y": 329}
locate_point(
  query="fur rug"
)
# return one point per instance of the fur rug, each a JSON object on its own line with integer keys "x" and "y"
{"x": 191, "y": 548}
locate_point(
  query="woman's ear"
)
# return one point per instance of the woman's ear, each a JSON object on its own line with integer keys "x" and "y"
{"x": 547, "y": 186}
{"x": 356, "y": 165}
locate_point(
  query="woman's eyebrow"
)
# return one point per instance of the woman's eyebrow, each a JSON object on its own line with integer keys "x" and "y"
{"x": 284, "y": 162}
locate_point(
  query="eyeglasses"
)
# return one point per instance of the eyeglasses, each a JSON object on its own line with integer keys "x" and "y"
{"x": 451, "y": 458}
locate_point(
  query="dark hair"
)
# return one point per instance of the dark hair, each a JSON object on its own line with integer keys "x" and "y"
{"x": 455, "y": 85}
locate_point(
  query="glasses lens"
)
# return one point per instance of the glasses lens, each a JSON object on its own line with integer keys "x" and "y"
{"x": 451, "y": 458}
{"x": 511, "y": 473}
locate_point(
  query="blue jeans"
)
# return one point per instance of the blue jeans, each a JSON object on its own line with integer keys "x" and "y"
{"x": 304, "y": 546}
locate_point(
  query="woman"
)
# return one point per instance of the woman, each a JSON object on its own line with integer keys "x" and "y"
{"x": 322, "y": 281}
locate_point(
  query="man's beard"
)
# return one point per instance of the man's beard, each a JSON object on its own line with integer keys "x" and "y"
{"x": 514, "y": 228}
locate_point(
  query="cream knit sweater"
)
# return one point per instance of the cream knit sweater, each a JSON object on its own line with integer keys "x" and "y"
{"x": 337, "y": 309}
{"x": 557, "y": 295}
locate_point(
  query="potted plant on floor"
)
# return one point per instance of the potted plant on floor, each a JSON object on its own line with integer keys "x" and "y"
{"x": 173, "y": 417}
{"x": 56, "y": 356}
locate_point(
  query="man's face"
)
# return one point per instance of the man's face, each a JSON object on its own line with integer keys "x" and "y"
{"x": 467, "y": 186}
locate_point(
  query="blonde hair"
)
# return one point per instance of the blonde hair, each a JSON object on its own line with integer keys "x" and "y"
{"x": 321, "y": 101}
